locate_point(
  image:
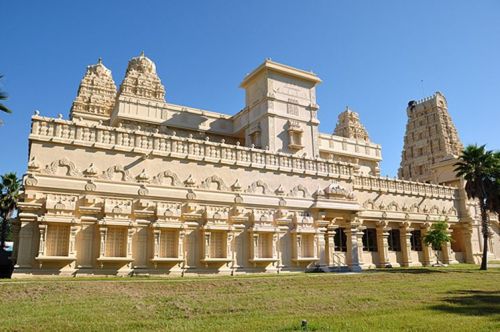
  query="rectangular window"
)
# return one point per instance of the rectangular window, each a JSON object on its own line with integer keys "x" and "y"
{"x": 394, "y": 240}
{"x": 116, "y": 242}
{"x": 169, "y": 244}
{"x": 218, "y": 245}
{"x": 57, "y": 240}
{"x": 416, "y": 240}
{"x": 340, "y": 240}
{"x": 308, "y": 245}
{"x": 265, "y": 245}
{"x": 370, "y": 239}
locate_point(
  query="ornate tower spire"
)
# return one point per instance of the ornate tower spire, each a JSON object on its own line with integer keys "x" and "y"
{"x": 430, "y": 139}
{"x": 349, "y": 126}
{"x": 96, "y": 95}
{"x": 141, "y": 80}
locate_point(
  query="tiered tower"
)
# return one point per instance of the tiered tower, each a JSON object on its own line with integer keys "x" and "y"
{"x": 349, "y": 126}
{"x": 96, "y": 95}
{"x": 431, "y": 143}
{"x": 142, "y": 81}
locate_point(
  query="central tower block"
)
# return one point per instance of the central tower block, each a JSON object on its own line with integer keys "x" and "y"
{"x": 281, "y": 109}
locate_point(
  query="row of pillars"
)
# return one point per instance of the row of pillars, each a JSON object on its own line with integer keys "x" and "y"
{"x": 354, "y": 234}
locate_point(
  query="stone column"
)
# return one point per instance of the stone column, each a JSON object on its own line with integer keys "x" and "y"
{"x": 316, "y": 245}
{"x": 275, "y": 251}
{"x": 330, "y": 240}
{"x": 382, "y": 244}
{"x": 180, "y": 249}
{"x": 72, "y": 241}
{"x": 406, "y": 244}
{"x": 206, "y": 245}
{"x": 446, "y": 251}
{"x": 229, "y": 245}
{"x": 354, "y": 235}
{"x": 42, "y": 244}
{"x": 26, "y": 251}
{"x": 322, "y": 246}
{"x": 157, "y": 244}
{"x": 298, "y": 244}
{"x": 237, "y": 250}
{"x": 469, "y": 253}
{"x": 426, "y": 250}
{"x": 192, "y": 248}
{"x": 130, "y": 234}
{"x": 103, "y": 232}
{"x": 281, "y": 234}
{"x": 255, "y": 245}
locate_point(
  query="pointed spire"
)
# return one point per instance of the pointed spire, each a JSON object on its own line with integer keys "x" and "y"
{"x": 142, "y": 81}
{"x": 96, "y": 95}
{"x": 349, "y": 126}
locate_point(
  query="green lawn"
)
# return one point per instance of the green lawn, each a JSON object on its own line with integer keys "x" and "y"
{"x": 457, "y": 298}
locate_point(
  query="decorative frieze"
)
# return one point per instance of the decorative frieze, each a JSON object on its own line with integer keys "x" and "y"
{"x": 105, "y": 137}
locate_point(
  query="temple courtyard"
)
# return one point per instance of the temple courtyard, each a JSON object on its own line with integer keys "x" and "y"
{"x": 411, "y": 299}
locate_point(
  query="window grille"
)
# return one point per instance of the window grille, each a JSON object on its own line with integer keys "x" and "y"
{"x": 218, "y": 245}
{"x": 168, "y": 244}
{"x": 57, "y": 240}
{"x": 266, "y": 245}
{"x": 416, "y": 240}
{"x": 308, "y": 245}
{"x": 394, "y": 240}
{"x": 340, "y": 240}
{"x": 116, "y": 240}
{"x": 370, "y": 239}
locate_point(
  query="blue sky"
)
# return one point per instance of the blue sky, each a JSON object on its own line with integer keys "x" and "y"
{"x": 371, "y": 55}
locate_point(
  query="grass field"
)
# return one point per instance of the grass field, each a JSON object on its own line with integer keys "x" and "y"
{"x": 457, "y": 298}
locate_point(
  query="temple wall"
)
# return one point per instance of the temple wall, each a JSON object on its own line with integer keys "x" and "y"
{"x": 230, "y": 209}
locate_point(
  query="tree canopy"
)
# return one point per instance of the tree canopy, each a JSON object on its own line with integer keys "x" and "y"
{"x": 437, "y": 236}
{"x": 10, "y": 187}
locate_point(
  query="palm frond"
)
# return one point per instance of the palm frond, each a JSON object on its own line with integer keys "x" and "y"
{"x": 5, "y": 109}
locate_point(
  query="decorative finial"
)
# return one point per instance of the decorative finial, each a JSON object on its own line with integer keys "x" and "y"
{"x": 99, "y": 61}
{"x": 142, "y": 54}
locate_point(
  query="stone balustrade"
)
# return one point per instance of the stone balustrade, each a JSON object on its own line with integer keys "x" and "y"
{"x": 384, "y": 184}
{"x": 100, "y": 136}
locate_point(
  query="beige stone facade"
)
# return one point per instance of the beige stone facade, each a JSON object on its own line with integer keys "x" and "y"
{"x": 134, "y": 185}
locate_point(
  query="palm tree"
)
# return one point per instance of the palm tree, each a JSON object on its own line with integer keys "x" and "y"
{"x": 10, "y": 187}
{"x": 479, "y": 168}
{"x": 3, "y": 96}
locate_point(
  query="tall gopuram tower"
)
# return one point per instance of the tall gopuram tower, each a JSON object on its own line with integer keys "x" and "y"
{"x": 431, "y": 143}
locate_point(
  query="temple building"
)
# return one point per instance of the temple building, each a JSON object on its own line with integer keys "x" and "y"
{"x": 134, "y": 185}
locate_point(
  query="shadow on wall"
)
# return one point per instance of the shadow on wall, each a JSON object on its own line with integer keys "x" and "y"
{"x": 471, "y": 303}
